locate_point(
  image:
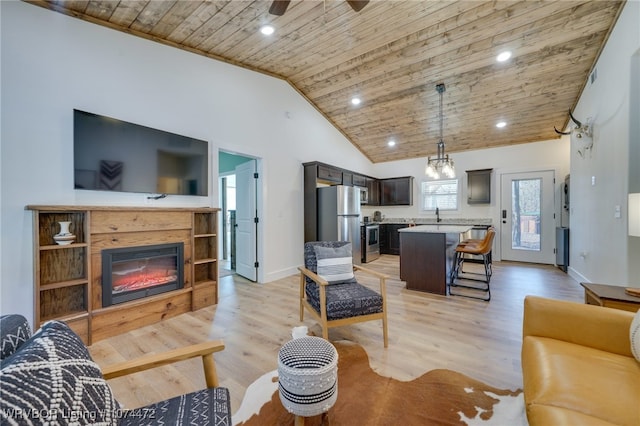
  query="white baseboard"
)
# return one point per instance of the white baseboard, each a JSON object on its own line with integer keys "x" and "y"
{"x": 283, "y": 273}
{"x": 577, "y": 275}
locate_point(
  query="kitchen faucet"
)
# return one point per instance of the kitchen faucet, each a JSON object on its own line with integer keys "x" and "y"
{"x": 438, "y": 220}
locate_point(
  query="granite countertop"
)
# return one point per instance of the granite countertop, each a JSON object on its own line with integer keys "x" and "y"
{"x": 437, "y": 229}
{"x": 432, "y": 221}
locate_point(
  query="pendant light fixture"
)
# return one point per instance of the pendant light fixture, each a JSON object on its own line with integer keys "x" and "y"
{"x": 441, "y": 164}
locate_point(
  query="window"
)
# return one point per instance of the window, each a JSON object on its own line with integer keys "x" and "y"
{"x": 442, "y": 194}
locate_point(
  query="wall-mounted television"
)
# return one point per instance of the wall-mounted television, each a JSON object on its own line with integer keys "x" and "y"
{"x": 114, "y": 155}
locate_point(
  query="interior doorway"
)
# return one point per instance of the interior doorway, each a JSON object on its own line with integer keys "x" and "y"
{"x": 227, "y": 192}
{"x": 239, "y": 215}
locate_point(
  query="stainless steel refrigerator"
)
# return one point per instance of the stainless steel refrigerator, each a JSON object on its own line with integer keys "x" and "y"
{"x": 339, "y": 216}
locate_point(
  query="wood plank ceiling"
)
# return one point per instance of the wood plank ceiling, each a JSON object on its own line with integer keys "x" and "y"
{"x": 391, "y": 55}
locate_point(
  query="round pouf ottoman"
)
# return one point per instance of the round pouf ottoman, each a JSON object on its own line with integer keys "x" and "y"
{"x": 308, "y": 376}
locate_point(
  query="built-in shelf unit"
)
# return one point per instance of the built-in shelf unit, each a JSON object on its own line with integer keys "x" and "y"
{"x": 68, "y": 277}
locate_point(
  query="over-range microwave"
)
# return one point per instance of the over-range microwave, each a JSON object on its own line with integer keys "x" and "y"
{"x": 364, "y": 196}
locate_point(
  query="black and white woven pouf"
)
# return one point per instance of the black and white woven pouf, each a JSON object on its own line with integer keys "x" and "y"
{"x": 308, "y": 376}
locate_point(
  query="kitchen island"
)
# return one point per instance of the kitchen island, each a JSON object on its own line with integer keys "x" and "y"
{"x": 426, "y": 256}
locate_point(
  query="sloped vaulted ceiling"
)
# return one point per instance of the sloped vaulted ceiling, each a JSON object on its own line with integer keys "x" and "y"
{"x": 391, "y": 55}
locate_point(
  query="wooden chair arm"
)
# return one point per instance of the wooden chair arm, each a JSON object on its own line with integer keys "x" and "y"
{"x": 370, "y": 272}
{"x": 204, "y": 350}
{"x": 381, "y": 277}
{"x": 315, "y": 277}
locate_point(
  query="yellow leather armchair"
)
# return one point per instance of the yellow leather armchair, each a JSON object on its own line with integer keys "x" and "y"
{"x": 577, "y": 365}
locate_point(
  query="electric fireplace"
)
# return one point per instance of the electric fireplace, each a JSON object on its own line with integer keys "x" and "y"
{"x": 131, "y": 273}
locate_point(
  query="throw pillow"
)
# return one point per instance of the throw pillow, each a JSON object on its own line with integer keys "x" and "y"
{"x": 634, "y": 334}
{"x": 335, "y": 264}
{"x": 53, "y": 380}
{"x": 15, "y": 331}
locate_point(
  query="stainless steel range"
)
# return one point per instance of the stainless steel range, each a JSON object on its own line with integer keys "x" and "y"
{"x": 370, "y": 242}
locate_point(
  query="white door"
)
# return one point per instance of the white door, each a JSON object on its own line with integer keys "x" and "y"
{"x": 527, "y": 222}
{"x": 246, "y": 217}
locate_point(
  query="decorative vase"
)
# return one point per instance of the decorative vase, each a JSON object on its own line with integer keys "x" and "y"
{"x": 64, "y": 237}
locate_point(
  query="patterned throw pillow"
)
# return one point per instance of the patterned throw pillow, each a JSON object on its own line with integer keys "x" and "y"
{"x": 335, "y": 264}
{"x": 634, "y": 334}
{"x": 53, "y": 380}
{"x": 15, "y": 332}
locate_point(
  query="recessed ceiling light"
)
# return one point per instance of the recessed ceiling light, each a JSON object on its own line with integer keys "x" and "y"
{"x": 501, "y": 124}
{"x": 503, "y": 56}
{"x": 355, "y": 101}
{"x": 267, "y": 30}
{"x": 391, "y": 143}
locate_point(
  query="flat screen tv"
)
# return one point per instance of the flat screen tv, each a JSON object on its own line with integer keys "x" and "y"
{"x": 114, "y": 155}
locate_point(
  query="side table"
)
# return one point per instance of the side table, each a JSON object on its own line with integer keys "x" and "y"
{"x": 308, "y": 377}
{"x": 610, "y": 296}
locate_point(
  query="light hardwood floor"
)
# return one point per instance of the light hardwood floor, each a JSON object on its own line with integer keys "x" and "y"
{"x": 426, "y": 332}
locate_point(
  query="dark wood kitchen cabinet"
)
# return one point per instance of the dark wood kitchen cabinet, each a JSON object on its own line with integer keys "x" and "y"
{"x": 396, "y": 191}
{"x": 386, "y": 192}
{"x": 329, "y": 174}
{"x": 479, "y": 186}
{"x": 321, "y": 174}
{"x": 358, "y": 180}
{"x": 383, "y": 238}
{"x": 390, "y": 238}
{"x": 427, "y": 258}
{"x": 348, "y": 178}
{"x": 373, "y": 189}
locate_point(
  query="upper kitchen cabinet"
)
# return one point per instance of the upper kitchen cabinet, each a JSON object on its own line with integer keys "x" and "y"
{"x": 479, "y": 186}
{"x": 373, "y": 191}
{"x": 329, "y": 174}
{"x": 396, "y": 191}
{"x": 358, "y": 180}
{"x": 353, "y": 179}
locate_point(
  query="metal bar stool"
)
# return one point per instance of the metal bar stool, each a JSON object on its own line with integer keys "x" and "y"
{"x": 478, "y": 241}
{"x": 482, "y": 248}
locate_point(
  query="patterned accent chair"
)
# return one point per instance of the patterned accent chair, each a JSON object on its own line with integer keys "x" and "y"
{"x": 335, "y": 304}
{"x": 50, "y": 378}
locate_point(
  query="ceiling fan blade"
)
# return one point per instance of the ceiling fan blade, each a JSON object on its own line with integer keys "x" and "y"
{"x": 278, "y": 7}
{"x": 357, "y": 5}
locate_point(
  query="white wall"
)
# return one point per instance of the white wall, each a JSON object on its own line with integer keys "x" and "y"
{"x": 547, "y": 155}
{"x": 634, "y": 165}
{"x": 599, "y": 244}
{"x": 52, "y": 63}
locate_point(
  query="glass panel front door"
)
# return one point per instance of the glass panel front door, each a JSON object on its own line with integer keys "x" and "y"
{"x": 527, "y": 219}
{"x": 526, "y": 199}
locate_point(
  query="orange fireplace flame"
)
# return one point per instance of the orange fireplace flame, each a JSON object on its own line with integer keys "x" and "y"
{"x": 141, "y": 279}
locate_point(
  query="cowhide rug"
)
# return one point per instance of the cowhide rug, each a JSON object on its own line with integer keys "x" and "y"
{"x": 439, "y": 397}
